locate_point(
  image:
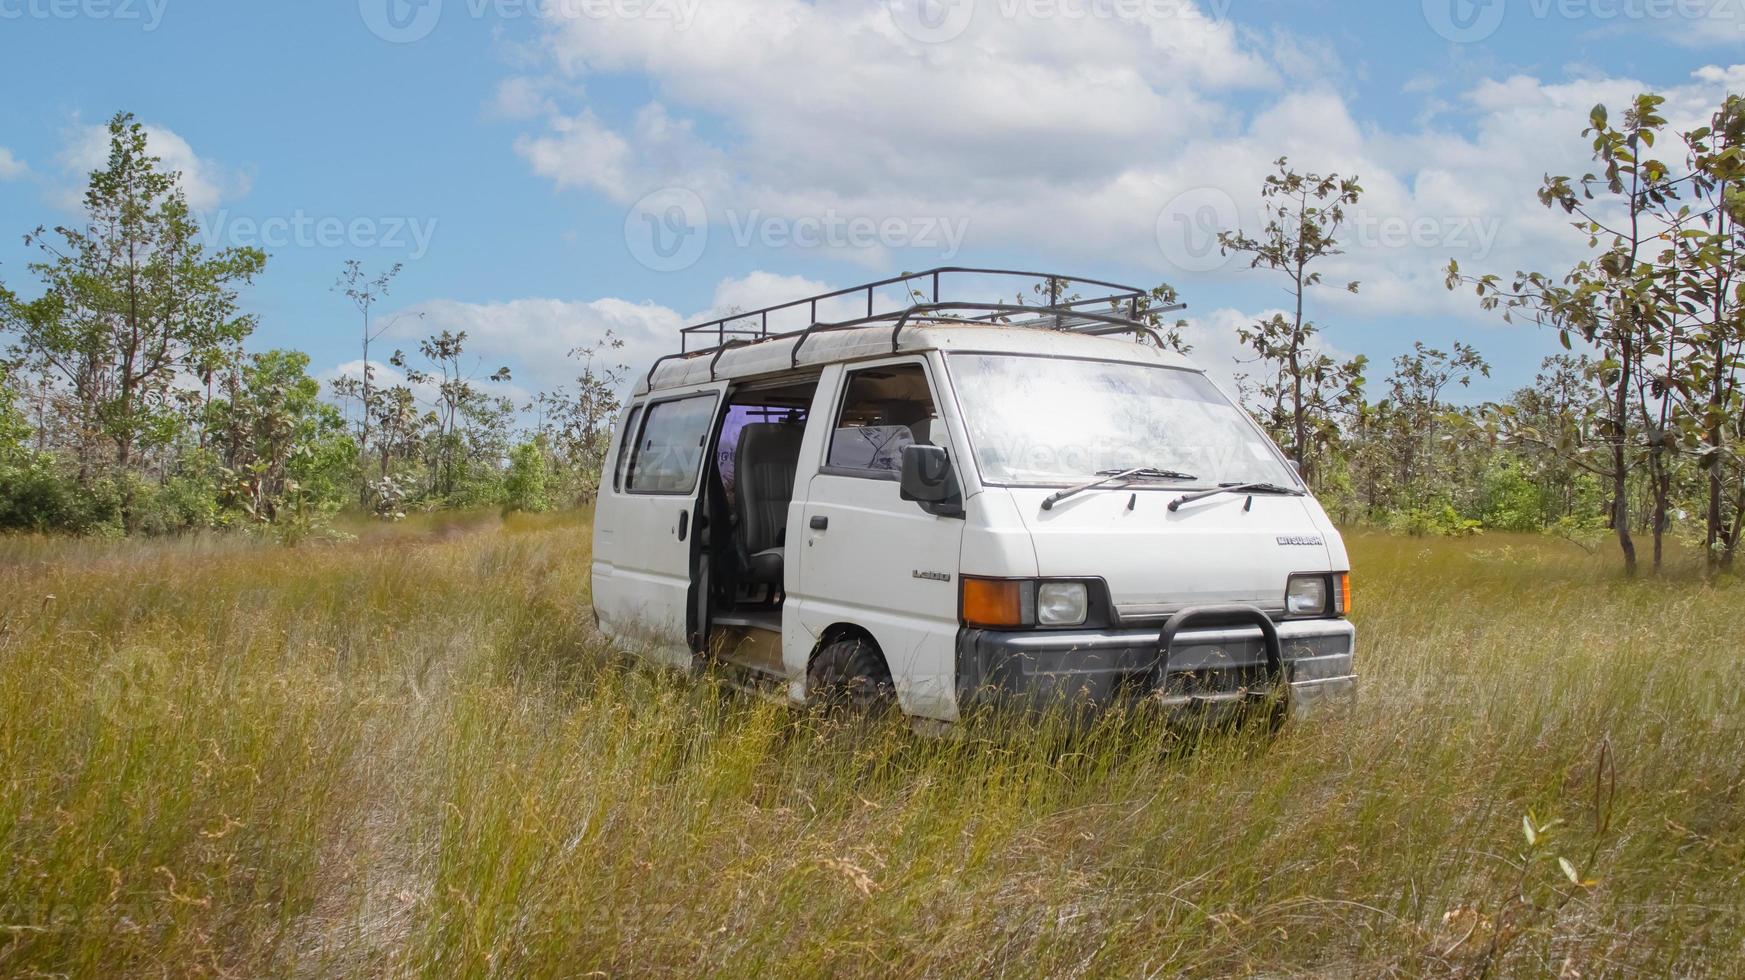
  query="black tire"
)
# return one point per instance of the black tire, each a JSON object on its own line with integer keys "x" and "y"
{"x": 849, "y": 674}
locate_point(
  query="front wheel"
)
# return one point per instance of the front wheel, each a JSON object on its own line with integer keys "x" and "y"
{"x": 850, "y": 674}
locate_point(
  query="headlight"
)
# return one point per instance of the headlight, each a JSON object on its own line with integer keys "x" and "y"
{"x": 1062, "y": 603}
{"x": 1307, "y": 595}
{"x": 992, "y": 603}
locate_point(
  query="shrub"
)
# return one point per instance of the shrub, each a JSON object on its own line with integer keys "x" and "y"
{"x": 36, "y": 496}
{"x": 1422, "y": 522}
{"x": 181, "y": 503}
{"x": 1509, "y": 501}
{"x": 524, "y": 486}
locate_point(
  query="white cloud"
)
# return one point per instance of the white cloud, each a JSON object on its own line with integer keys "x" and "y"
{"x": 11, "y": 168}
{"x": 759, "y": 290}
{"x": 580, "y": 151}
{"x": 428, "y": 393}
{"x": 535, "y": 337}
{"x": 1689, "y": 23}
{"x": 838, "y": 88}
{"x": 382, "y": 375}
{"x": 522, "y": 97}
{"x": 1069, "y": 135}
{"x": 205, "y": 182}
{"x": 1218, "y": 348}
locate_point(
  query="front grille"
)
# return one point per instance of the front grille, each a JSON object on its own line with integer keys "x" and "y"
{"x": 1203, "y": 682}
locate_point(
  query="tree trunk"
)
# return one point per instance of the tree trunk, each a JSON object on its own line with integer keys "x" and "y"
{"x": 1730, "y": 538}
{"x": 363, "y": 446}
{"x": 1620, "y": 462}
{"x": 1662, "y": 490}
{"x": 1717, "y": 489}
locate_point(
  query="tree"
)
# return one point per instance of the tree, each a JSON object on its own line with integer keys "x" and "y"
{"x": 400, "y": 427}
{"x": 1553, "y": 424}
{"x": 459, "y": 402}
{"x": 1708, "y": 259}
{"x": 131, "y": 299}
{"x": 524, "y": 486}
{"x": 1659, "y": 291}
{"x": 1148, "y": 308}
{"x": 575, "y": 427}
{"x": 286, "y": 447}
{"x": 1305, "y": 388}
{"x": 14, "y": 428}
{"x": 364, "y": 291}
{"x": 1416, "y": 389}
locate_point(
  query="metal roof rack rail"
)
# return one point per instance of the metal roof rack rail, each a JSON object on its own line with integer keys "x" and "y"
{"x": 926, "y": 300}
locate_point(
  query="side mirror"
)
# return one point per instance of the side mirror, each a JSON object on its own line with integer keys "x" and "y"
{"x": 929, "y": 480}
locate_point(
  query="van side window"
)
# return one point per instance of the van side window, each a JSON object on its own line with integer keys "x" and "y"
{"x": 671, "y": 445}
{"x": 624, "y": 445}
{"x": 884, "y": 410}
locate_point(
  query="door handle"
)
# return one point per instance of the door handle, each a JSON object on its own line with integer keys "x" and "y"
{"x": 820, "y": 523}
{"x": 684, "y": 523}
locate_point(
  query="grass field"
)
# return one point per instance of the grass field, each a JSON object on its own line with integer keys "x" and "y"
{"x": 409, "y": 754}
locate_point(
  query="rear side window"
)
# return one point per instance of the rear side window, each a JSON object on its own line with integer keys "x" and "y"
{"x": 624, "y": 444}
{"x": 884, "y": 410}
{"x": 670, "y": 447}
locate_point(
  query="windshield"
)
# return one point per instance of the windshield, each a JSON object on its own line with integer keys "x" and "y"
{"x": 1038, "y": 420}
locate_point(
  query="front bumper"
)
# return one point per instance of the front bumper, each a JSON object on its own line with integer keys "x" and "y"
{"x": 1217, "y": 666}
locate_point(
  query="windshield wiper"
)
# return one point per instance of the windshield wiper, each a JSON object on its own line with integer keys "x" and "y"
{"x": 1107, "y": 477}
{"x": 1188, "y": 498}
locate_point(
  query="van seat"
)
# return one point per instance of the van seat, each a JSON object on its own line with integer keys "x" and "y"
{"x": 764, "y": 465}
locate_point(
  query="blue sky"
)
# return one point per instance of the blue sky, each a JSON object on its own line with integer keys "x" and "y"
{"x": 518, "y": 155}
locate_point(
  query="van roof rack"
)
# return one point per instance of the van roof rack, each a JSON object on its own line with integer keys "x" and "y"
{"x": 926, "y": 298}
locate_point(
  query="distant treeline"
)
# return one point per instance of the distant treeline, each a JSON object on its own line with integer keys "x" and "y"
{"x": 130, "y": 403}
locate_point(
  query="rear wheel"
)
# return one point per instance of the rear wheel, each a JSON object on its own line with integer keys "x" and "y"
{"x": 850, "y": 674}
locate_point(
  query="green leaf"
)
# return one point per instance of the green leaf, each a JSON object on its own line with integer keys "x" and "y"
{"x": 1569, "y": 870}
{"x": 1527, "y": 829}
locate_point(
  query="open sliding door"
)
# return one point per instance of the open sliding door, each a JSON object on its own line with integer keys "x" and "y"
{"x": 648, "y": 597}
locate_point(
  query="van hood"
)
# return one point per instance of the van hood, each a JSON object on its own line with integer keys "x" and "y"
{"x": 1213, "y": 551}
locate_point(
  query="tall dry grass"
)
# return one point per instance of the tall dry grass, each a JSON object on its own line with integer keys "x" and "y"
{"x": 409, "y": 754}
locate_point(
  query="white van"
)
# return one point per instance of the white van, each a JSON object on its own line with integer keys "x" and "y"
{"x": 954, "y": 502}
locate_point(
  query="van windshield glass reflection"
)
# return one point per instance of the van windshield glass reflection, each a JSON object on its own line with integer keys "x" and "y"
{"x": 1058, "y": 422}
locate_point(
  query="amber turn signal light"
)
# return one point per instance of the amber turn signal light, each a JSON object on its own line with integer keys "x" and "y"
{"x": 993, "y": 602}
